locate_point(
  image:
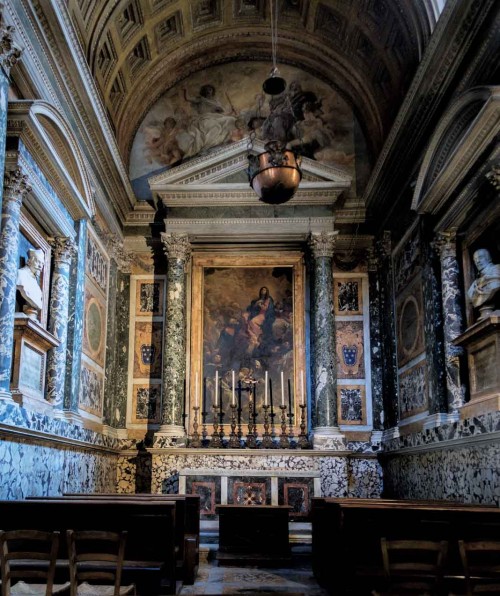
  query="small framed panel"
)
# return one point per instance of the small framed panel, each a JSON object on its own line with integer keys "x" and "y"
{"x": 146, "y": 403}
{"x": 209, "y": 489}
{"x": 350, "y": 350}
{"x": 149, "y": 297}
{"x": 296, "y": 493}
{"x": 249, "y": 491}
{"x": 147, "y": 350}
{"x": 348, "y": 296}
{"x": 410, "y": 322}
{"x": 94, "y": 325}
{"x": 90, "y": 398}
{"x": 351, "y": 403}
{"x": 413, "y": 390}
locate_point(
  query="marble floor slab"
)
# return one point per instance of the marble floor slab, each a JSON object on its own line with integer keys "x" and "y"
{"x": 296, "y": 580}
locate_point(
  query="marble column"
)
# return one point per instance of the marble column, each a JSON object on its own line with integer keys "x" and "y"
{"x": 433, "y": 331}
{"x": 75, "y": 323}
{"x": 452, "y": 298}
{"x": 178, "y": 251}
{"x": 388, "y": 332}
{"x": 15, "y": 189}
{"x": 9, "y": 55}
{"x": 324, "y": 371}
{"x": 377, "y": 365}
{"x": 63, "y": 251}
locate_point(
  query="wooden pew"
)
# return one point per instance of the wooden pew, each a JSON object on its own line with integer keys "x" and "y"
{"x": 346, "y": 535}
{"x": 150, "y": 551}
{"x": 187, "y": 525}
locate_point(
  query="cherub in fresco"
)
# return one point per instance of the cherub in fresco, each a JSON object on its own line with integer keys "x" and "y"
{"x": 160, "y": 142}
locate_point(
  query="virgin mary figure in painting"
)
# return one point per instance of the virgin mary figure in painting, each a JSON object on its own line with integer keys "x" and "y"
{"x": 260, "y": 317}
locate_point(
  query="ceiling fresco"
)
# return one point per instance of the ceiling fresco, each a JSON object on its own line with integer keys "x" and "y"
{"x": 222, "y": 104}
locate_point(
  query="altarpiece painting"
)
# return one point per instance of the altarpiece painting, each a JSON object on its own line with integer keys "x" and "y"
{"x": 248, "y": 317}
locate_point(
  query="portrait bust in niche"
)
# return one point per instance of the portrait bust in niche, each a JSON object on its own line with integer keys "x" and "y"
{"x": 28, "y": 282}
{"x": 483, "y": 292}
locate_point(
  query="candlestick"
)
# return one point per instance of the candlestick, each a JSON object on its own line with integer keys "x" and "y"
{"x": 216, "y": 386}
{"x": 302, "y": 401}
{"x": 283, "y": 442}
{"x": 289, "y": 397}
{"x": 251, "y": 436}
{"x": 215, "y": 442}
{"x": 265, "y": 389}
{"x": 234, "y": 441}
{"x": 267, "y": 442}
{"x": 204, "y": 410}
{"x": 233, "y": 400}
{"x": 282, "y": 390}
{"x": 196, "y": 389}
{"x": 195, "y": 438}
{"x": 303, "y": 442}
{"x": 271, "y": 396}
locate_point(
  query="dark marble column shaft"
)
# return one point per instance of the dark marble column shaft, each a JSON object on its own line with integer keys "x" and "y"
{"x": 9, "y": 55}
{"x": 15, "y": 189}
{"x": 376, "y": 357}
{"x": 433, "y": 325}
{"x": 75, "y": 320}
{"x": 111, "y": 347}
{"x": 388, "y": 332}
{"x": 452, "y": 317}
{"x": 63, "y": 251}
{"x": 178, "y": 251}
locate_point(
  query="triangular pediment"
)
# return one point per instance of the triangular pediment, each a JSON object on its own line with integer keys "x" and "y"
{"x": 219, "y": 178}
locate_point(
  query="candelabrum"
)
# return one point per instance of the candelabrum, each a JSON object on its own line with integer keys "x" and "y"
{"x": 291, "y": 416}
{"x": 252, "y": 434}
{"x": 195, "y": 437}
{"x": 204, "y": 432}
{"x": 283, "y": 442}
{"x": 234, "y": 441}
{"x": 221, "y": 426}
{"x": 267, "y": 441}
{"x": 216, "y": 440}
{"x": 303, "y": 442}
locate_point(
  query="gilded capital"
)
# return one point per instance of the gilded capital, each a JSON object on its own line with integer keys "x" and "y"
{"x": 176, "y": 246}
{"x": 445, "y": 244}
{"x": 64, "y": 249}
{"x": 16, "y": 186}
{"x": 9, "y": 52}
{"x": 323, "y": 244}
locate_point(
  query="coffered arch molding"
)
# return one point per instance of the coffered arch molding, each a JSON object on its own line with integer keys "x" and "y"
{"x": 335, "y": 70}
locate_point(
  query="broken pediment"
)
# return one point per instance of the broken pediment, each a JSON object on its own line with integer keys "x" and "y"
{"x": 218, "y": 178}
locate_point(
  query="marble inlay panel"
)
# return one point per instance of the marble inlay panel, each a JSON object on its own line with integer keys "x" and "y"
{"x": 350, "y": 348}
{"x": 249, "y": 491}
{"x": 410, "y": 322}
{"x": 347, "y": 296}
{"x": 209, "y": 491}
{"x": 94, "y": 324}
{"x": 96, "y": 264}
{"x": 407, "y": 261}
{"x": 352, "y": 404}
{"x": 297, "y": 493}
{"x": 149, "y": 297}
{"x": 413, "y": 390}
{"x": 91, "y": 390}
{"x": 146, "y": 403}
{"x": 147, "y": 350}
{"x": 119, "y": 416}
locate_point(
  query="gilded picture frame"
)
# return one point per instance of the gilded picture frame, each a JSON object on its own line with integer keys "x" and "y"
{"x": 237, "y": 325}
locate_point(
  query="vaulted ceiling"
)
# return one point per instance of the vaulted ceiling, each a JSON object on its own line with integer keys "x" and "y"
{"x": 367, "y": 50}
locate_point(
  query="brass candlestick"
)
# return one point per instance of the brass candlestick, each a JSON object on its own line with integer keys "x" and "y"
{"x": 252, "y": 435}
{"x": 267, "y": 442}
{"x": 215, "y": 442}
{"x": 204, "y": 432}
{"x": 195, "y": 438}
{"x": 234, "y": 441}
{"x": 291, "y": 416}
{"x": 221, "y": 426}
{"x": 283, "y": 442}
{"x": 303, "y": 443}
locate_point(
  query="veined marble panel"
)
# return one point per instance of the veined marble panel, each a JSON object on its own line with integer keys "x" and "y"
{"x": 407, "y": 260}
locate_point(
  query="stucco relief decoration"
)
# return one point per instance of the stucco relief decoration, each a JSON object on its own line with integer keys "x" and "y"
{"x": 96, "y": 265}
{"x": 147, "y": 350}
{"x": 347, "y": 296}
{"x": 350, "y": 361}
{"x": 222, "y": 104}
{"x": 407, "y": 262}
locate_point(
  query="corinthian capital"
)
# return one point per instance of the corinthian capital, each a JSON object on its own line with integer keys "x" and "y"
{"x": 494, "y": 176}
{"x": 15, "y": 186}
{"x": 445, "y": 244}
{"x": 176, "y": 246}
{"x": 323, "y": 244}
{"x": 64, "y": 249}
{"x": 9, "y": 52}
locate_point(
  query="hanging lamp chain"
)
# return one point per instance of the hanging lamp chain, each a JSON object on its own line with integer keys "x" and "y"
{"x": 273, "y": 5}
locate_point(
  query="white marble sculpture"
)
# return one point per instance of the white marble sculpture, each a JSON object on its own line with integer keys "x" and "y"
{"x": 487, "y": 283}
{"x": 27, "y": 279}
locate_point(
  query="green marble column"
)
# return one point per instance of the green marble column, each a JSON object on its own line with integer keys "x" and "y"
{"x": 15, "y": 189}
{"x": 63, "y": 251}
{"x": 324, "y": 371}
{"x": 178, "y": 251}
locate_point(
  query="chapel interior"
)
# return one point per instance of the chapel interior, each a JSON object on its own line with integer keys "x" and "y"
{"x": 165, "y": 329}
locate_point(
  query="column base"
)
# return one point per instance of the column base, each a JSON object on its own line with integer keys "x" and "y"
{"x": 440, "y": 419}
{"x": 6, "y": 395}
{"x": 390, "y": 433}
{"x": 376, "y": 439}
{"x": 328, "y": 438}
{"x": 170, "y": 435}
{"x": 68, "y": 416}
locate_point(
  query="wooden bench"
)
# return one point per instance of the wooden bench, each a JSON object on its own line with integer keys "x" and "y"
{"x": 187, "y": 525}
{"x": 150, "y": 556}
{"x": 346, "y": 536}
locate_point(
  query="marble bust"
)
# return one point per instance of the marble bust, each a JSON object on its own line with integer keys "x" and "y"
{"x": 487, "y": 283}
{"x": 27, "y": 279}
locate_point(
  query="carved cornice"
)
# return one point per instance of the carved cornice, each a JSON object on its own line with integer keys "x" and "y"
{"x": 15, "y": 186}
{"x": 9, "y": 52}
{"x": 64, "y": 249}
{"x": 323, "y": 244}
{"x": 176, "y": 246}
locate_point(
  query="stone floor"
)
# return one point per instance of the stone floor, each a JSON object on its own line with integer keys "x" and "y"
{"x": 295, "y": 580}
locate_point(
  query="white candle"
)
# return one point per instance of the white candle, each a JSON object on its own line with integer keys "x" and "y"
{"x": 234, "y": 398}
{"x": 196, "y": 391}
{"x": 282, "y": 390}
{"x": 302, "y": 387}
{"x": 216, "y": 386}
{"x": 265, "y": 390}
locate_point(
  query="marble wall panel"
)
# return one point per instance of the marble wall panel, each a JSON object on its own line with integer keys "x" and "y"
{"x": 90, "y": 397}
{"x": 147, "y": 350}
{"x": 94, "y": 336}
{"x": 350, "y": 350}
{"x": 146, "y": 403}
{"x": 33, "y": 469}
{"x": 365, "y": 478}
{"x": 119, "y": 416}
{"x": 96, "y": 264}
{"x": 407, "y": 261}
{"x": 249, "y": 491}
{"x": 410, "y": 322}
{"x": 347, "y": 296}
{"x": 351, "y": 404}
{"x": 297, "y": 493}
{"x": 209, "y": 491}
{"x": 149, "y": 297}
{"x": 413, "y": 390}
